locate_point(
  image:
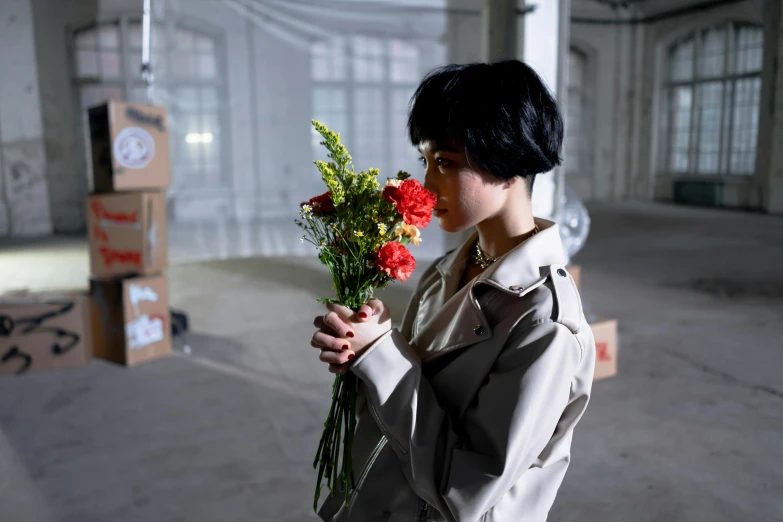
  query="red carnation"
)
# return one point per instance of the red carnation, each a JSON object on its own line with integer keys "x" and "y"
{"x": 321, "y": 204}
{"x": 413, "y": 201}
{"x": 394, "y": 259}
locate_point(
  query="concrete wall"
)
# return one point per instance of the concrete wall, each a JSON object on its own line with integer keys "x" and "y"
{"x": 24, "y": 193}
{"x": 66, "y": 164}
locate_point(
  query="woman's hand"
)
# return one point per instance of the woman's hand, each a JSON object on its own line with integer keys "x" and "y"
{"x": 342, "y": 335}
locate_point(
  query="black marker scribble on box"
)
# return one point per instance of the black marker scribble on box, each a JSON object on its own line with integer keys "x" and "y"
{"x": 35, "y": 324}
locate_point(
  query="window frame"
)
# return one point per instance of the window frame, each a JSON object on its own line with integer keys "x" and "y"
{"x": 349, "y": 85}
{"x": 728, "y": 79}
{"x": 127, "y": 83}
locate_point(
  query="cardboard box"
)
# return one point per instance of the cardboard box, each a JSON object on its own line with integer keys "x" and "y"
{"x": 576, "y": 273}
{"x": 43, "y": 331}
{"x": 127, "y": 234}
{"x": 130, "y": 319}
{"x": 605, "y": 333}
{"x": 130, "y": 147}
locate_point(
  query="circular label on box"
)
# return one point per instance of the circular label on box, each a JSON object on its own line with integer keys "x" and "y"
{"x": 134, "y": 148}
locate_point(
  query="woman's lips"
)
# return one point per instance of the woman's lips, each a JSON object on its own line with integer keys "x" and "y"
{"x": 439, "y": 211}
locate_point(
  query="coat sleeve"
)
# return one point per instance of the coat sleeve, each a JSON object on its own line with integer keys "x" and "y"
{"x": 465, "y": 469}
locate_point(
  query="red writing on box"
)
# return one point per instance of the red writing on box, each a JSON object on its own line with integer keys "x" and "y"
{"x": 603, "y": 351}
{"x": 118, "y": 218}
{"x": 105, "y": 218}
{"x": 111, "y": 256}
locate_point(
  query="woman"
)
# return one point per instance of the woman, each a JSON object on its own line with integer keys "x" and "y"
{"x": 467, "y": 411}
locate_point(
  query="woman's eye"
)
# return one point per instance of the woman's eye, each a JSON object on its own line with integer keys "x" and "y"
{"x": 443, "y": 162}
{"x": 423, "y": 161}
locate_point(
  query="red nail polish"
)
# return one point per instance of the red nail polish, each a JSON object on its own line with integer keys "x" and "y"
{"x": 350, "y": 334}
{"x": 346, "y": 347}
{"x": 362, "y": 315}
{"x": 351, "y": 356}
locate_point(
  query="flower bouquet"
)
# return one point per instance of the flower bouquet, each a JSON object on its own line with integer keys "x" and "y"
{"x": 361, "y": 231}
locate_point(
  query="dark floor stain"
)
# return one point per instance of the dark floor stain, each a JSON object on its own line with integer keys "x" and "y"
{"x": 61, "y": 401}
{"x": 724, "y": 288}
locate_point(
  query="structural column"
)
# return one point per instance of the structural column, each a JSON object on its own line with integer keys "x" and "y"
{"x": 24, "y": 198}
{"x": 770, "y": 151}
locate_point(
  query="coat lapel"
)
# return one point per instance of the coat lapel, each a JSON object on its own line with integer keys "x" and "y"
{"x": 456, "y": 324}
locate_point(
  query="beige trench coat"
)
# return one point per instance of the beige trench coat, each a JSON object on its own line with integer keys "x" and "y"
{"x": 466, "y": 413}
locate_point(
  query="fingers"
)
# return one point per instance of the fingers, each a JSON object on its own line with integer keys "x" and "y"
{"x": 334, "y": 358}
{"x": 373, "y": 308}
{"x": 377, "y": 306}
{"x": 334, "y": 321}
{"x": 325, "y": 341}
{"x": 364, "y": 313}
{"x": 318, "y": 322}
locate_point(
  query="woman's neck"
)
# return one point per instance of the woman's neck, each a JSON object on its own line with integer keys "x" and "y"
{"x": 500, "y": 234}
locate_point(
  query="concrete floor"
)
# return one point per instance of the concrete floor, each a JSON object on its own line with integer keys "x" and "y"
{"x": 689, "y": 430}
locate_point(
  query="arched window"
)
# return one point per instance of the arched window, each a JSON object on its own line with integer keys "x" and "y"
{"x": 713, "y": 90}
{"x": 361, "y": 88}
{"x": 107, "y": 61}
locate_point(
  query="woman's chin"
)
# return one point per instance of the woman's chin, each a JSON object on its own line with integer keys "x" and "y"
{"x": 448, "y": 225}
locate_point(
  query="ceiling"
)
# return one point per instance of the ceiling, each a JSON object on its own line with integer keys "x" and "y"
{"x": 645, "y": 7}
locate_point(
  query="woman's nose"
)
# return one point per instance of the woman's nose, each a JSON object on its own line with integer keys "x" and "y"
{"x": 428, "y": 184}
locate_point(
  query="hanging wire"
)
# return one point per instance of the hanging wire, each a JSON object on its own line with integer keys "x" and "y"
{"x": 146, "y": 65}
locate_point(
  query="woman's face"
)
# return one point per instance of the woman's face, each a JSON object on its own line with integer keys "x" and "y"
{"x": 466, "y": 196}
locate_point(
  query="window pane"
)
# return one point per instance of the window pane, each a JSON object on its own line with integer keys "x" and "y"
{"x": 110, "y": 64}
{"x": 748, "y": 49}
{"x": 209, "y": 99}
{"x": 330, "y": 108}
{"x": 404, "y": 62}
{"x": 206, "y": 67}
{"x": 575, "y": 146}
{"x": 404, "y": 155}
{"x": 138, "y": 95}
{"x": 369, "y": 139}
{"x": 187, "y": 99}
{"x": 184, "y": 64}
{"x": 86, "y": 64}
{"x": 86, "y": 39}
{"x": 369, "y": 59}
{"x": 328, "y": 60}
{"x": 712, "y": 61}
{"x": 184, "y": 40}
{"x": 92, "y": 95}
{"x": 210, "y": 124}
{"x": 744, "y": 132}
{"x": 108, "y": 37}
{"x": 211, "y": 153}
{"x": 134, "y": 64}
{"x": 135, "y": 35}
{"x": 205, "y": 43}
{"x": 681, "y": 61}
{"x": 189, "y": 124}
{"x": 710, "y": 106}
{"x": 682, "y": 104}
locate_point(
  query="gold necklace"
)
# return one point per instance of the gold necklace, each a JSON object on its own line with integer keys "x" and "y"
{"x": 484, "y": 260}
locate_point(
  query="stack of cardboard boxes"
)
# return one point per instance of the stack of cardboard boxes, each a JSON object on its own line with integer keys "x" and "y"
{"x": 126, "y": 223}
{"x": 125, "y": 318}
{"x": 605, "y": 334}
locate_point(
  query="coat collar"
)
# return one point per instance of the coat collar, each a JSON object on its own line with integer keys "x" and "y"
{"x": 518, "y": 269}
{"x": 454, "y": 317}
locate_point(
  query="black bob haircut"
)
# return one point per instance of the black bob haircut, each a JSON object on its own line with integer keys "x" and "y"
{"x": 502, "y": 112}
